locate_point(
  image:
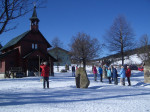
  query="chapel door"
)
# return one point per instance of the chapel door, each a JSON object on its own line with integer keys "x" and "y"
{"x": 33, "y": 65}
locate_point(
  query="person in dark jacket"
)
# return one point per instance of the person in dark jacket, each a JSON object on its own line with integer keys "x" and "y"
{"x": 128, "y": 75}
{"x": 45, "y": 73}
{"x": 112, "y": 68}
{"x": 100, "y": 70}
{"x": 115, "y": 75}
{"x": 73, "y": 70}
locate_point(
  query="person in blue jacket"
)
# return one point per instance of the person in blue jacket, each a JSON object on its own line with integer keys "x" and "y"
{"x": 122, "y": 76}
{"x": 109, "y": 75}
{"x": 115, "y": 75}
{"x": 100, "y": 70}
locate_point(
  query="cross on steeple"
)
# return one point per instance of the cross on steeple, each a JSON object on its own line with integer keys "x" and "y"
{"x": 34, "y": 20}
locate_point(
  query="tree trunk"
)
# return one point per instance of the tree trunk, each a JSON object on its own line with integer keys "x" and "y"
{"x": 84, "y": 63}
{"x": 122, "y": 55}
{"x": 122, "y": 52}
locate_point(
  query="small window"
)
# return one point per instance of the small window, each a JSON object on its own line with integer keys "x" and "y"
{"x": 32, "y": 46}
{"x": 35, "y": 46}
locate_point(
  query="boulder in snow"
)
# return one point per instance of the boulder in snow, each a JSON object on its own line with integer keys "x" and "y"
{"x": 104, "y": 72}
{"x": 147, "y": 73}
{"x": 82, "y": 80}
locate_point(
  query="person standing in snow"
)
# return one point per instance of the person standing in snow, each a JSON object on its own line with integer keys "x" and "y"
{"x": 73, "y": 70}
{"x": 76, "y": 67}
{"x": 100, "y": 70}
{"x": 112, "y": 72}
{"x": 92, "y": 67}
{"x": 95, "y": 73}
{"x": 45, "y": 73}
{"x": 122, "y": 76}
{"x": 109, "y": 75}
{"x": 128, "y": 75}
{"x": 115, "y": 75}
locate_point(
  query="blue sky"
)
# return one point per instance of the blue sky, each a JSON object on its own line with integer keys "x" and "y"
{"x": 65, "y": 18}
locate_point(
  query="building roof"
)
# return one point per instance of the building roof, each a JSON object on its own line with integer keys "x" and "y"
{"x": 18, "y": 38}
{"x": 58, "y": 48}
{"x": 15, "y": 40}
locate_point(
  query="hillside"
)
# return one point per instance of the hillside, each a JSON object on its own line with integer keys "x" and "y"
{"x": 130, "y": 56}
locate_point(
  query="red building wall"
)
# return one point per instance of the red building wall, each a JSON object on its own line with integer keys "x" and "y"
{"x": 11, "y": 60}
{"x": 2, "y": 67}
{"x": 32, "y": 38}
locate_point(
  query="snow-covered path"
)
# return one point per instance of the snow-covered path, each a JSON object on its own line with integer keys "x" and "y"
{"x": 27, "y": 95}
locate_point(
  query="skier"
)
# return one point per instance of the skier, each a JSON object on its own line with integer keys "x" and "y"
{"x": 45, "y": 73}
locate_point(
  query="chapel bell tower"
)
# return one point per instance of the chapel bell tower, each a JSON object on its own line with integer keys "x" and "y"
{"x": 34, "y": 21}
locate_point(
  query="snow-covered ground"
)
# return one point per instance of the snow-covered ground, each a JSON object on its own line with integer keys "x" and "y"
{"x": 27, "y": 95}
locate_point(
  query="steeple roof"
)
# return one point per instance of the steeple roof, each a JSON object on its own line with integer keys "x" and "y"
{"x": 34, "y": 15}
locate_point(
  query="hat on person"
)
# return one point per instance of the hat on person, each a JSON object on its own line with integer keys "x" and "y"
{"x": 45, "y": 63}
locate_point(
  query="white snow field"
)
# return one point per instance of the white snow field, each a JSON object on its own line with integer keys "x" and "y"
{"x": 132, "y": 59}
{"x": 28, "y": 95}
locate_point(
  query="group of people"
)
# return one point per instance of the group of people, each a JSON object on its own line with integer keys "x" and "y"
{"x": 74, "y": 69}
{"x": 112, "y": 74}
{"x": 107, "y": 72}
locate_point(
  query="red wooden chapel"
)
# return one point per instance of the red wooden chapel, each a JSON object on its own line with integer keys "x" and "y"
{"x": 27, "y": 50}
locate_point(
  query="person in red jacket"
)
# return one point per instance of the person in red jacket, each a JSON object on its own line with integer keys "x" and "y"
{"x": 95, "y": 73}
{"x": 128, "y": 75}
{"x": 45, "y": 73}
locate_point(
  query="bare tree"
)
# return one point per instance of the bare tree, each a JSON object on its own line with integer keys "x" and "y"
{"x": 84, "y": 48}
{"x": 12, "y": 9}
{"x": 120, "y": 36}
{"x": 57, "y": 43}
{"x": 144, "y": 50}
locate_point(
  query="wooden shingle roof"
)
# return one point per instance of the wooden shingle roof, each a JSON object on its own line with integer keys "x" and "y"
{"x": 15, "y": 40}
{"x": 18, "y": 38}
{"x": 58, "y": 48}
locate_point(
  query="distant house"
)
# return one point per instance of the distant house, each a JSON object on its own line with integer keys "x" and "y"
{"x": 61, "y": 55}
{"x": 26, "y": 51}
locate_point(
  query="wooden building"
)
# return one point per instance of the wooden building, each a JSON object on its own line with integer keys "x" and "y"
{"x": 27, "y": 50}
